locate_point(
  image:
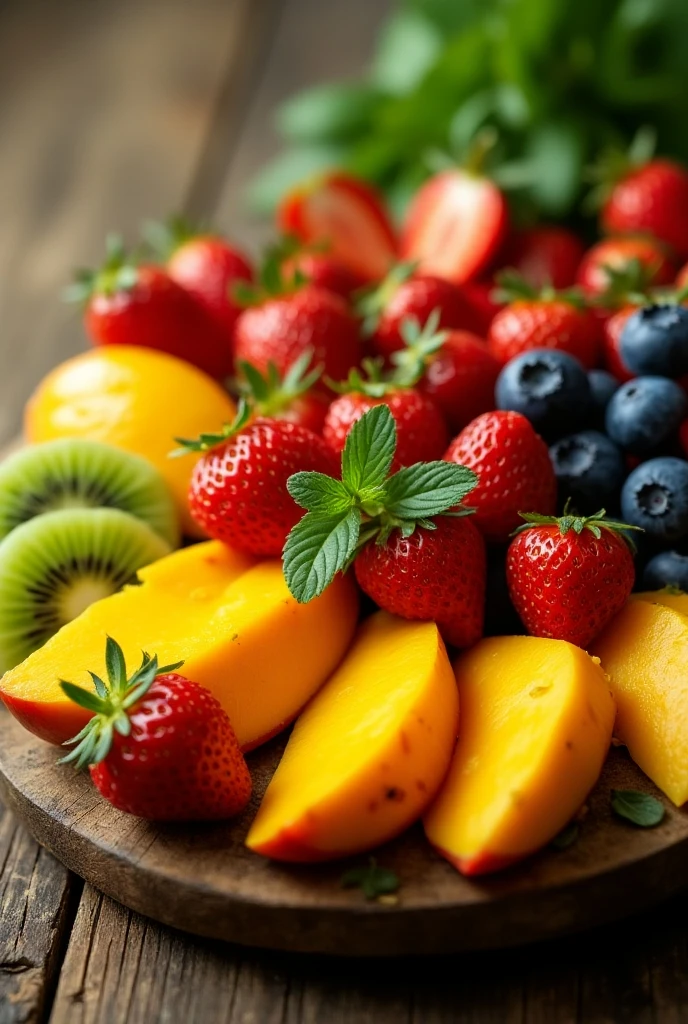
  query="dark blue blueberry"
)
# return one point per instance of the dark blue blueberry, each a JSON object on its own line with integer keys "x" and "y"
{"x": 589, "y": 468}
{"x": 549, "y": 387}
{"x": 654, "y": 340}
{"x": 501, "y": 618}
{"x": 602, "y": 387}
{"x": 668, "y": 569}
{"x": 655, "y": 497}
{"x": 645, "y": 412}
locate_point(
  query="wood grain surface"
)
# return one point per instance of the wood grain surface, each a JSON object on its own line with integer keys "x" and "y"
{"x": 111, "y": 112}
{"x": 202, "y": 879}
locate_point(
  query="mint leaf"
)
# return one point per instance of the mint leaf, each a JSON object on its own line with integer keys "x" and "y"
{"x": 319, "y": 493}
{"x": 317, "y": 548}
{"x": 373, "y": 880}
{"x": 369, "y": 450}
{"x": 427, "y": 489}
{"x": 640, "y": 809}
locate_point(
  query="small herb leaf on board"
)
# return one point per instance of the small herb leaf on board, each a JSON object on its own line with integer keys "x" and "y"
{"x": 640, "y": 809}
{"x": 373, "y": 880}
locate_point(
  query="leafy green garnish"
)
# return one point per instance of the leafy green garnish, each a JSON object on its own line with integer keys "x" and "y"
{"x": 640, "y": 809}
{"x": 567, "y": 837}
{"x": 366, "y": 504}
{"x": 373, "y": 880}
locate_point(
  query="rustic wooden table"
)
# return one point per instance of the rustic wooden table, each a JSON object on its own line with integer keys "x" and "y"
{"x": 115, "y": 111}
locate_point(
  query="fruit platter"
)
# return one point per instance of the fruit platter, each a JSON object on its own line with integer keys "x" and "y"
{"x": 343, "y": 599}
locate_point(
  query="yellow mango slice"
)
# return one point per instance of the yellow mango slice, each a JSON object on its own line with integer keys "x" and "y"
{"x": 536, "y": 724}
{"x": 675, "y": 599}
{"x": 369, "y": 751}
{"x": 644, "y": 650}
{"x": 230, "y": 618}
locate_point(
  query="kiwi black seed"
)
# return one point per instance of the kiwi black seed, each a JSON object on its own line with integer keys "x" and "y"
{"x": 76, "y": 473}
{"x": 57, "y": 564}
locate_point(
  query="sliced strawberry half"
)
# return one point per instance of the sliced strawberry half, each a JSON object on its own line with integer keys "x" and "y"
{"x": 347, "y": 216}
{"x": 455, "y": 225}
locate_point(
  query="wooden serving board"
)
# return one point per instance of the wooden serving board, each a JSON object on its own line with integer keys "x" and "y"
{"x": 203, "y": 880}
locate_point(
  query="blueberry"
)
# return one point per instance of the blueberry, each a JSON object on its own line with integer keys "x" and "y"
{"x": 602, "y": 387}
{"x": 668, "y": 569}
{"x": 549, "y": 387}
{"x": 644, "y": 413}
{"x": 655, "y": 340}
{"x": 590, "y": 469}
{"x": 655, "y": 497}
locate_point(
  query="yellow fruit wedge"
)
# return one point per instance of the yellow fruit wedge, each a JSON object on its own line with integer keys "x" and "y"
{"x": 536, "y": 724}
{"x": 230, "y": 618}
{"x": 369, "y": 751}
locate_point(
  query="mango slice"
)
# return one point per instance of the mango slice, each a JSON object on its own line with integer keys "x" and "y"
{"x": 675, "y": 599}
{"x": 369, "y": 751}
{"x": 536, "y": 724}
{"x": 230, "y": 618}
{"x": 644, "y": 650}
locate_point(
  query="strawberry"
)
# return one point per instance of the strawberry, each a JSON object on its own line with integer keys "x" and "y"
{"x": 126, "y": 304}
{"x": 514, "y": 471}
{"x": 347, "y": 216}
{"x": 323, "y": 271}
{"x": 403, "y": 294}
{"x": 285, "y": 317}
{"x": 291, "y": 397}
{"x": 682, "y": 278}
{"x": 238, "y": 491}
{"x": 205, "y": 265}
{"x": 615, "y": 267}
{"x": 421, "y": 430}
{"x": 481, "y": 297}
{"x": 611, "y": 336}
{"x": 456, "y": 221}
{"x": 453, "y": 368}
{"x": 545, "y": 319}
{"x": 544, "y": 256}
{"x": 414, "y": 551}
{"x": 569, "y": 577}
{"x": 159, "y": 745}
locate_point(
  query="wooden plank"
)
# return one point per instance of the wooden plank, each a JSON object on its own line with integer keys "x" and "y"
{"x": 105, "y": 114}
{"x": 35, "y": 909}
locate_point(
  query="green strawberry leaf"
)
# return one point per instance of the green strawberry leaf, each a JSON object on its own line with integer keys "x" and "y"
{"x": 319, "y": 493}
{"x": 317, "y": 548}
{"x": 428, "y": 489}
{"x": 373, "y": 880}
{"x": 369, "y": 450}
{"x": 640, "y": 809}
{"x": 115, "y": 665}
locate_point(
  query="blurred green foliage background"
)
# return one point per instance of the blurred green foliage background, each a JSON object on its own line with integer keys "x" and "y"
{"x": 561, "y": 80}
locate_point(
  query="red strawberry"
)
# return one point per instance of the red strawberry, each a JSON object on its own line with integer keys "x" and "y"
{"x": 284, "y": 323}
{"x": 544, "y": 256}
{"x": 453, "y": 368}
{"x": 545, "y": 319}
{"x": 405, "y": 293}
{"x": 456, "y": 221}
{"x": 569, "y": 577}
{"x": 611, "y": 336}
{"x": 638, "y": 263}
{"x": 169, "y": 755}
{"x": 238, "y": 492}
{"x": 433, "y": 574}
{"x": 514, "y": 471}
{"x": 205, "y": 264}
{"x": 127, "y": 304}
{"x": 651, "y": 199}
{"x": 290, "y": 397}
{"x": 322, "y": 271}
{"x": 345, "y": 214}
{"x": 481, "y": 297}
{"x": 421, "y": 431}
{"x": 682, "y": 278}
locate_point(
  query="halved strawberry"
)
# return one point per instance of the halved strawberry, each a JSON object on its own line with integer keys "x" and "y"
{"x": 345, "y": 214}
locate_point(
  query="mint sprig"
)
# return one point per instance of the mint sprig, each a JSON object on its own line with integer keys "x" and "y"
{"x": 366, "y": 505}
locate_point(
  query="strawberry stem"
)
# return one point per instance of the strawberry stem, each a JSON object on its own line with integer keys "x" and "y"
{"x": 205, "y": 442}
{"x": 568, "y": 521}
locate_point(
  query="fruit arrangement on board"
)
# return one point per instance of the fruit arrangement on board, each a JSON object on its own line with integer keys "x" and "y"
{"x": 420, "y": 490}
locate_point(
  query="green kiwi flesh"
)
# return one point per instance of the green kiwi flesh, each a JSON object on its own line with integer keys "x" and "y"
{"x": 55, "y": 565}
{"x": 76, "y": 473}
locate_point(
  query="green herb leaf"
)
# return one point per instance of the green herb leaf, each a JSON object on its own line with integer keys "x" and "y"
{"x": 640, "y": 809}
{"x": 115, "y": 665}
{"x": 369, "y": 450}
{"x": 84, "y": 698}
{"x": 319, "y": 493}
{"x": 373, "y": 880}
{"x": 328, "y": 113}
{"x": 318, "y": 547}
{"x": 567, "y": 837}
{"x": 428, "y": 489}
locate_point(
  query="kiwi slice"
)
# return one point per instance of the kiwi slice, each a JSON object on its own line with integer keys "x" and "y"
{"x": 55, "y": 565}
{"x": 75, "y": 473}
